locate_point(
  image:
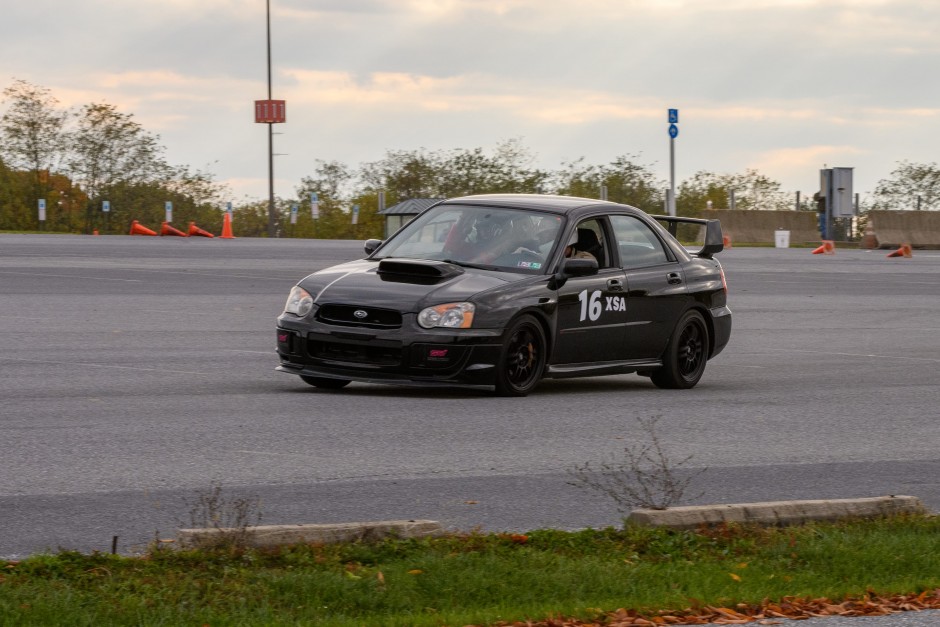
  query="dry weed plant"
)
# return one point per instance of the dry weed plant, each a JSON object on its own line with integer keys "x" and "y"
{"x": 645, "y": 477}
{"x": 231, "y": 516}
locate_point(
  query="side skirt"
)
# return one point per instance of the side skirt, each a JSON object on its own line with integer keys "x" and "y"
{"x": 593, "y": 369}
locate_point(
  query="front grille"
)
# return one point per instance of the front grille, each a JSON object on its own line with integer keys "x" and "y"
{"x": 373, "y": 318}
{"x": 354, "y": 353}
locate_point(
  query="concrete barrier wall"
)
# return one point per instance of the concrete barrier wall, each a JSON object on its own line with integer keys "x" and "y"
{"x": 920, "y": 229}
{"x": 756, "y": 227}
{"x": 917, "y": 228}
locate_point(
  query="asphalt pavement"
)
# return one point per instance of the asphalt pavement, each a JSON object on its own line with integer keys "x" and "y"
{"x": 137, "y": 371}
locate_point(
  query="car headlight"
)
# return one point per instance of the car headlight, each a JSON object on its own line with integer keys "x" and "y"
{"x": 449, "y": 315}
{"x": 299, "y": 302}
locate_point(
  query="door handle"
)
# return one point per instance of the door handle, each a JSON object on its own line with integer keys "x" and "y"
{"x": 615, "y": 285}
{"x": 673, "y": 278}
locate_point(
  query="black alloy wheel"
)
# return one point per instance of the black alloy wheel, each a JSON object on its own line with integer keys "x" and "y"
{"x": 686, "y": 354}
{"x": 522, "y": 359}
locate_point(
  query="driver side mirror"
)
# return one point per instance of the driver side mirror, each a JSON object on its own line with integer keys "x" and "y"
{"x": 371, "y": 245}
{"x": 580, "y": 267}
{"x": 573, "y": 267}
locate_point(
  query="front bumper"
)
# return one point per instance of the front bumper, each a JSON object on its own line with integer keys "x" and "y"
{"x": 400, "y": 356}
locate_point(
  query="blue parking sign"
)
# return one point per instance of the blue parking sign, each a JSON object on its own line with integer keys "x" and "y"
{"x": 673, "y": 116}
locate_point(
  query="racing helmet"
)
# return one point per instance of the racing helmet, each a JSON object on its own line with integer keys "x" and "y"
{"x": 490, "y": 226}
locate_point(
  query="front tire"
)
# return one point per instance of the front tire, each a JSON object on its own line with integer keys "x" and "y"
{"x": 324, "y": 383}
{"x": 686, "y": 354}
{"x": 522, "y": 359}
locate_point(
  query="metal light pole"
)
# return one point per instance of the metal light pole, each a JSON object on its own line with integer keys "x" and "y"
{"x": 272, "y": 214}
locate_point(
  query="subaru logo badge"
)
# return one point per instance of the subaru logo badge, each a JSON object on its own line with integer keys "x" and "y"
{"x": 361, "y": 314}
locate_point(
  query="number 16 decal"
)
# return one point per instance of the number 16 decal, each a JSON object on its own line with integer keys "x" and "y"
{"x": 592, "y": 308}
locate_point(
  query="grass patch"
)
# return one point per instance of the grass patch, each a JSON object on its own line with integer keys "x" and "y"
{"x": 477, "y": 578}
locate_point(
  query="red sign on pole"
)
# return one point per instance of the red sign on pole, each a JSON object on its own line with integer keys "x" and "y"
{"x": 270, "y": 111}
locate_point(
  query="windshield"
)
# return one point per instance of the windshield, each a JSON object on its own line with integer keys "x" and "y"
{"x": 511, "y": 239}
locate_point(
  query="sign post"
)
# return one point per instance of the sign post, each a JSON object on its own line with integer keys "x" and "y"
{"x": 673, "y": 118}
{"x": 314, "y": 206}
{"x": 42, "y": 212}
{"x": 168, "y": 206}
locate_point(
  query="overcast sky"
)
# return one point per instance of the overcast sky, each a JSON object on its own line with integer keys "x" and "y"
{"x": 783, "y": 86}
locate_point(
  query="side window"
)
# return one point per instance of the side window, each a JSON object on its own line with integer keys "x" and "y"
{"x": 587, "y": 242}
{"x": 636, "y": 242}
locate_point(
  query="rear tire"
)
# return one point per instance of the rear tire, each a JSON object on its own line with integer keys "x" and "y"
{"x": 324, "y": 383}
{"x": 522, "y": 359}
{"x": 686, "y": 354}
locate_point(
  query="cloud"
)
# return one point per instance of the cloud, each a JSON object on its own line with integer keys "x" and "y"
{"x": 773, "y": 84}
{"x": 802, "y": 159}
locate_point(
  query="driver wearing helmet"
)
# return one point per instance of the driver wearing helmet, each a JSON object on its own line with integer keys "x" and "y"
{"x": 488, "y": 236}
{"x": 488, "y": 229}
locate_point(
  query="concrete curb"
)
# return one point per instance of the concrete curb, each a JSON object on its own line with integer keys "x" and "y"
{"x": 776, "y": 513}
{"x": 278, "y": 535}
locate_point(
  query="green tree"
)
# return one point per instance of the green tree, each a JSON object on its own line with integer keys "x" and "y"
{"x": 404, "y": 174}
{"x": 107, "y": 150}
{"x": 13, "y": 213}
{"x": 627, "y": 182}
{"x": 329, "y": 182}
{"x": 370, "y": 223}
{"x": 752, "y": 190}
{"x": 910, "y": 186}
{"x": 506, "y": 171}
{"x": 251, "y": 219}
{"x": 32, "y": 136}
{"x": 446, "y": 174}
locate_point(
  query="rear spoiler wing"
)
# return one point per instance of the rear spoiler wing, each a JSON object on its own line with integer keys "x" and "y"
{"x": 714, "y": 242}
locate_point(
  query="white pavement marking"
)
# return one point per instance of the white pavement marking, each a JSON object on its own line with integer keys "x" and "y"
{"x": 238, "y": 350}
{"x": 795, "y": 350}
{"x": 77, "y": 363}
{"x": 71, "y": 276}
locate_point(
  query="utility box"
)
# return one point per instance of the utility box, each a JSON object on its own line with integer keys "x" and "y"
{"x": 835, "y": 185}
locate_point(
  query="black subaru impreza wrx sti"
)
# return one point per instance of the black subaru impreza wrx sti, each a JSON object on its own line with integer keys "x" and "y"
{"x": 506, "y": 290}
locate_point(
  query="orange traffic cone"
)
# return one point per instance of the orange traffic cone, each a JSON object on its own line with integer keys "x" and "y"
{"x": 828, "y": 248}
{"x": 726, "y": 241}
{"x": 227, "y": 226}
{"x": 139, "y": 229}
{"x": 903, "y": 251}
{"x": 195, "y": 230}
{"x": 166, "y": 229}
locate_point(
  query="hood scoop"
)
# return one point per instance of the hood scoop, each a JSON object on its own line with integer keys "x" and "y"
{"x": 428, "y": 271}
